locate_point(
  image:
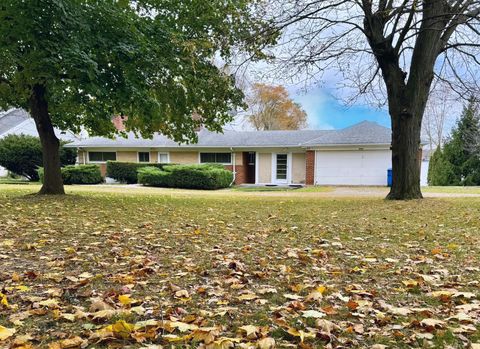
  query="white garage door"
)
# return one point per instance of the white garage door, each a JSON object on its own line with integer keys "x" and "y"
{"x": 349, "y": 167}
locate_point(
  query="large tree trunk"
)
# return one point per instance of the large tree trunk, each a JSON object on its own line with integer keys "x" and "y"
{"x": 52, "y": 181}
{"x": 406, "y": 129}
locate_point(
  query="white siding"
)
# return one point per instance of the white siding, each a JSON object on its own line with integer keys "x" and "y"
{"x": 424, "y": 174}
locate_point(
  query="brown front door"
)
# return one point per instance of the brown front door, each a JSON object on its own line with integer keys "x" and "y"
{"x": 249, "y": 161}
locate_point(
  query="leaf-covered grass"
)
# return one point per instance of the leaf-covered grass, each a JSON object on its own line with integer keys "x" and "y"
{"x": 245, "y": 270}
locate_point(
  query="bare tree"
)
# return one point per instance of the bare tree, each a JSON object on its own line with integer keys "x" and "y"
{"x": 440, "y": 112}
{"x": 388, "y": 51}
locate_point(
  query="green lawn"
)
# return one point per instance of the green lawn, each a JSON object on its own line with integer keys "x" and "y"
{"x": 452, "y": 190}
{"x": 138, "y": 268}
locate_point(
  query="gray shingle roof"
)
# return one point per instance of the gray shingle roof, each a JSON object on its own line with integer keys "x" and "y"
{"x": 368, "y": 133}
{"x": 11, "y": 119}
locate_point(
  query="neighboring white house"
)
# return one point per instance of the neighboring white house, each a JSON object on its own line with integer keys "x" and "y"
{"x": 18, "y": 121}
{"x": 356, "y": 155}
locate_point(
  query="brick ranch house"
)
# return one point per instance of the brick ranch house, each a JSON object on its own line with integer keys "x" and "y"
{"x": 356, "y": 155}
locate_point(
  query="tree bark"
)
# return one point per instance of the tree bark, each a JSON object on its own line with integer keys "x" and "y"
{"x": 52, "y": 181}
{"x": 405, "y": 157}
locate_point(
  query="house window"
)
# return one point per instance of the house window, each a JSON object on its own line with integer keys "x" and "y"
{"x": 163, "y": 158}
{"x": 143, "y": 156}
{"x": 102, "y": 156}
{"x": 219, "y": 158}
{"x": 282, "y": 160}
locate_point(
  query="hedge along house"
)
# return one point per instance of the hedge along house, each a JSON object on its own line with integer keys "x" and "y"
{"x": 357, "y": 155}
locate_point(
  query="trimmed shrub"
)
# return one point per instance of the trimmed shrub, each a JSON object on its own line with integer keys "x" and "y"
{"x": 126, "y": 172}
{"x": 81, "y": 174}
{"x": 154, "y": 176}
{"x": 22, "y": 155}
{"x": 187, "y": 176}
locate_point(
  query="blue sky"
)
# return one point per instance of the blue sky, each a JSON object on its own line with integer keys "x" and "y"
{"x": 326, "y": 112}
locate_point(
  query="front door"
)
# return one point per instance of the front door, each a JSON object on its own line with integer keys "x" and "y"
{"x": 249, "y": 158}
{"x": 281, "y": 168}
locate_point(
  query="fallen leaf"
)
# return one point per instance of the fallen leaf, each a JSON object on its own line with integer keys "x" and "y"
{"x": 312, "y": 314}
{"x": 6, "y": 333}
{"x": 266, "y": 343}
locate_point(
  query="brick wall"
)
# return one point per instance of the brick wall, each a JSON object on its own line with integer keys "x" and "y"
{"x": 310, "y": 167}
{"x": 241, "y": 176}
{"x": 103, "y": 169}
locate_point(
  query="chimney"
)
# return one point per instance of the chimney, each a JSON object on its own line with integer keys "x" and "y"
{"x": 118, "y": 122}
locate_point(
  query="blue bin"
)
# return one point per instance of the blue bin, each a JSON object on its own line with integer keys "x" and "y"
{"x": 389, "y": 177}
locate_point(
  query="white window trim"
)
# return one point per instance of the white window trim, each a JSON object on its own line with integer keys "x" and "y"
{"x": 215, "y": 152}
{"x": 289, "y": 168}
{"x": 149, "y": 157}
{"x": 256, "y": 167}
{"x": 163, "y": 153}
{"x": 101, "y": 162}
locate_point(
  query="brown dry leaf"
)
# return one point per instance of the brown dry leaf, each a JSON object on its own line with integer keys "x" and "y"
{"x": 182, "y": 294}
{"x": 266, "y": 343}
{"x": 326, "y": 326}
{"x": 74, "y": 342}
{"x": 316, "y": 294}
{"x": 205, "y": 334}
{"x": 433, "y": 323}
{"x": 99, "y": 304}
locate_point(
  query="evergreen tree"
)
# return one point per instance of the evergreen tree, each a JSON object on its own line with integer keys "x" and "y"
{"x": 459, "y": 161}
{"x": 440, "y": 171}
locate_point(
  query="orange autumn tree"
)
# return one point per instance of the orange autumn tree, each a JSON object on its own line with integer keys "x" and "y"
{"x": 271, "y": 108}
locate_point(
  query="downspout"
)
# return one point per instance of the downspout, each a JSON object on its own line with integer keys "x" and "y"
{"x": 234, "y": 170}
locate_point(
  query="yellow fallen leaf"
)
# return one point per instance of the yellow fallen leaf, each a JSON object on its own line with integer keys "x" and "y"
{"x": 410, "y": 283}
{"x": 49, "y": 303}
{"x": 250, "y": 331}
{"x": 4, "y": 300}
{"x": 7, "y": 242}
{"x": 6, "y": 333}
{"x": 299, "y": 333}
{"x": 120, "y": 329}
{"x": 248, "y": 297}
{"x": 440, "y": 294}
{"x": 173, "y": 338}
{"x": 69, "y": 317}
{"x": 182, "y": 326}
{"x": 125, "y": 299}
{"x": 223, "y": 343}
